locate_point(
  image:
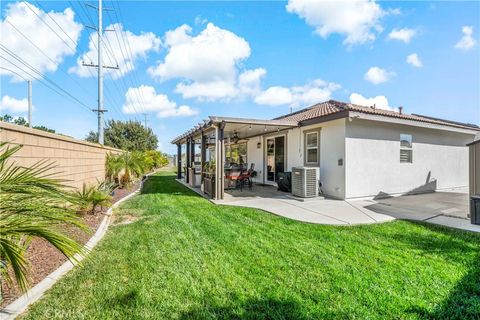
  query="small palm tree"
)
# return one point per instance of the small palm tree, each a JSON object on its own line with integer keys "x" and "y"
{"x": 32, "y": 204}
{"x": 127, "y": 165}
{"x": 112, "y": 167}
{"x": 88, "y": 198}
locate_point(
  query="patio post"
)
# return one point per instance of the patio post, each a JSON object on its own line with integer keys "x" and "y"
{"x": 192, "y": 152}
{"x": 179, "y": 161}
{"x": 203, "y": 154}
{"x": 220, "y": 159}
{"x": 187, "y": 159}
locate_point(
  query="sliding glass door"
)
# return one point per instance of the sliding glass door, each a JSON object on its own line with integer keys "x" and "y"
{"x": 275, "y": 157}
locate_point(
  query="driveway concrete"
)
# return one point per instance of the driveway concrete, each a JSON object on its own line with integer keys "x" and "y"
{"x": 444, "y": 208}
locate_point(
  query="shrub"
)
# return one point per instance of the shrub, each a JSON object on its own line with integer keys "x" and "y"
{"x": 125, "y": 167}
{"x": 89, "y": 198}
{"x": 33, "y": 204}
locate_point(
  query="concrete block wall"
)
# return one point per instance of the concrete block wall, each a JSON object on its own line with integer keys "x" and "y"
{"x": 76, "y": 161}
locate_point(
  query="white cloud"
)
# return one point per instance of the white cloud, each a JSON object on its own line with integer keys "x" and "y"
{"x": 20, "y": 16}
{"x": 13, "y": 105}
{"x": 467, "y": 42}
{"x": 308, "y": 94}
{"x": 378, "y": 75}
{"x": 208, "y": 64}
{"x": 199, "y": 20}
{"x": 404, "y": 34}
{"x": 126, "y": 54}
{"x": 249, "y": 81}
{"x": 210, "y": 91}
{"x": 153, "y": 102}
{"x": 414, "y": 60}
{"x": 380, "y": 102}
{"x": 357, "y": 20}
{"x": 275, "y": 96}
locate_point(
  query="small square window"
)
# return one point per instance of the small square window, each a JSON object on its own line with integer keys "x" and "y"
{"x": 312, "y": 140}
{"x": 405, "y": 156}
{"x": 312, "y": 152}
{"x": 405, "y": 140}
{"x": 406, "y": 152}
{"x": 312, "y": 155}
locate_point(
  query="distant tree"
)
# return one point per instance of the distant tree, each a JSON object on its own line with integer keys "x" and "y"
{"x": 43, "y": 128}
{"x": 92, "y": 136}
{"x": 6, "y": 118}
{"x": 127, "y": 135}
{"x": 21, "y": 121}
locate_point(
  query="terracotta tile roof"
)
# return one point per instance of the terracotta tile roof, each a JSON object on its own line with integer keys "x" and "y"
{"x": 332, "y": 107}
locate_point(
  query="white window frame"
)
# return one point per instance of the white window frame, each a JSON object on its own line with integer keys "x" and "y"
{"x": 406, "y": 148}
{"x": 306, "y": 147}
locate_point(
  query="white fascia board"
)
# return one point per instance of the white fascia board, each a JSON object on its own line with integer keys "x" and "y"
{"x": 360, "y": 115}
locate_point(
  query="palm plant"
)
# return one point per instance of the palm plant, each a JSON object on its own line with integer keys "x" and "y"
{"x": 33, "y": 204}
{"x": 133, "y": 166}
{"x": 112, "y": 167}
{"x": 81, "y": 198}
{"x": 127, "y": 165}
{"x": 88, "y": 198}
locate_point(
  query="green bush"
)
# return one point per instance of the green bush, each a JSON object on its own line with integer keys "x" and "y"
{"x": 89, "y": 198}
{"x": 34, "y": 204}
{"x": 127, "y": 166}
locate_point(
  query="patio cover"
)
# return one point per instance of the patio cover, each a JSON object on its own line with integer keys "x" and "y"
{"x": 217, "y": 130}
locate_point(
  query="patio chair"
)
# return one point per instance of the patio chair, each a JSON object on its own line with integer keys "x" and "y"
{"x": 234, "y": 176}
{"x": 246, "y": 177}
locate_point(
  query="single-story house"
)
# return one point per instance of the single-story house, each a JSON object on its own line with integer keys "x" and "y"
{"x": 361, "y": 151}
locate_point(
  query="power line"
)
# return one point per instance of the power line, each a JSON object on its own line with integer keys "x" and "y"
{"x": 128, "y": 51}
{"x": 109, "y": 95}
{"x": 109, "y": 49}
{"x": 44, "y": 54}
{"x": 16, "y": 57}
{"x": 121, "y": 76}
{"x": 29, "y": 94}
{"x": 31, "y": 42}
{"x": 41, "y": 78}
{"x": 127, "y": 46}
{"x": 100, "y": 110}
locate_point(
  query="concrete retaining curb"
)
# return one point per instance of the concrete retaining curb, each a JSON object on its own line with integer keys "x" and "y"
{"x": 21, "y": 304}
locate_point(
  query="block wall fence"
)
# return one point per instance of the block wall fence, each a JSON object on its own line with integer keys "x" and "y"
{"x": 76, "y": 161}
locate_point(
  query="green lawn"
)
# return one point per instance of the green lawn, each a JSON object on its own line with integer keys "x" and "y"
{"x": 185, "y": 258}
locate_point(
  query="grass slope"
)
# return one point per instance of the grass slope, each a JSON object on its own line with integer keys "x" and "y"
{"x": 185, "y": 258}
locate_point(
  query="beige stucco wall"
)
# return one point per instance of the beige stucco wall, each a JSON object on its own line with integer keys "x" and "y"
{"x": 76, "y": 161}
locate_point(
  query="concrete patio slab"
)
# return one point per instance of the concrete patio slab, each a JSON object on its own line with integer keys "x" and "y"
{"x": 454, "y": 223}
{"x": 318, "y": 210}
{"x": 443, "y": 208}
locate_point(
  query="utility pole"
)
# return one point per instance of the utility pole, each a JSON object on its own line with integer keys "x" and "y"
{"x": 145, "y": 115}
{"x": 29, "y": 103}
{"x": 100, "y": 110}
{"x": 100, "y": 75}
{"x": 29, "y": 85}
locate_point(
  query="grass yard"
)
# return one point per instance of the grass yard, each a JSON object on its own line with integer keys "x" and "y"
{"x": 185, "y": 258}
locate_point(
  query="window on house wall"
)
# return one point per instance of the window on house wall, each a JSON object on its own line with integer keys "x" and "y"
{"x": 406, "y": 152}
{"x": 312, "y": 148}
{"x": 236, "y": 153}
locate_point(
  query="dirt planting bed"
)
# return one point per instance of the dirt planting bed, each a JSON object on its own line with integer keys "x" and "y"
{"x": 44, "y": 258}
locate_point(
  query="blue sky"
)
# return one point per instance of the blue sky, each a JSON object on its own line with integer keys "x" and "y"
{"x": 247, "y": 59}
